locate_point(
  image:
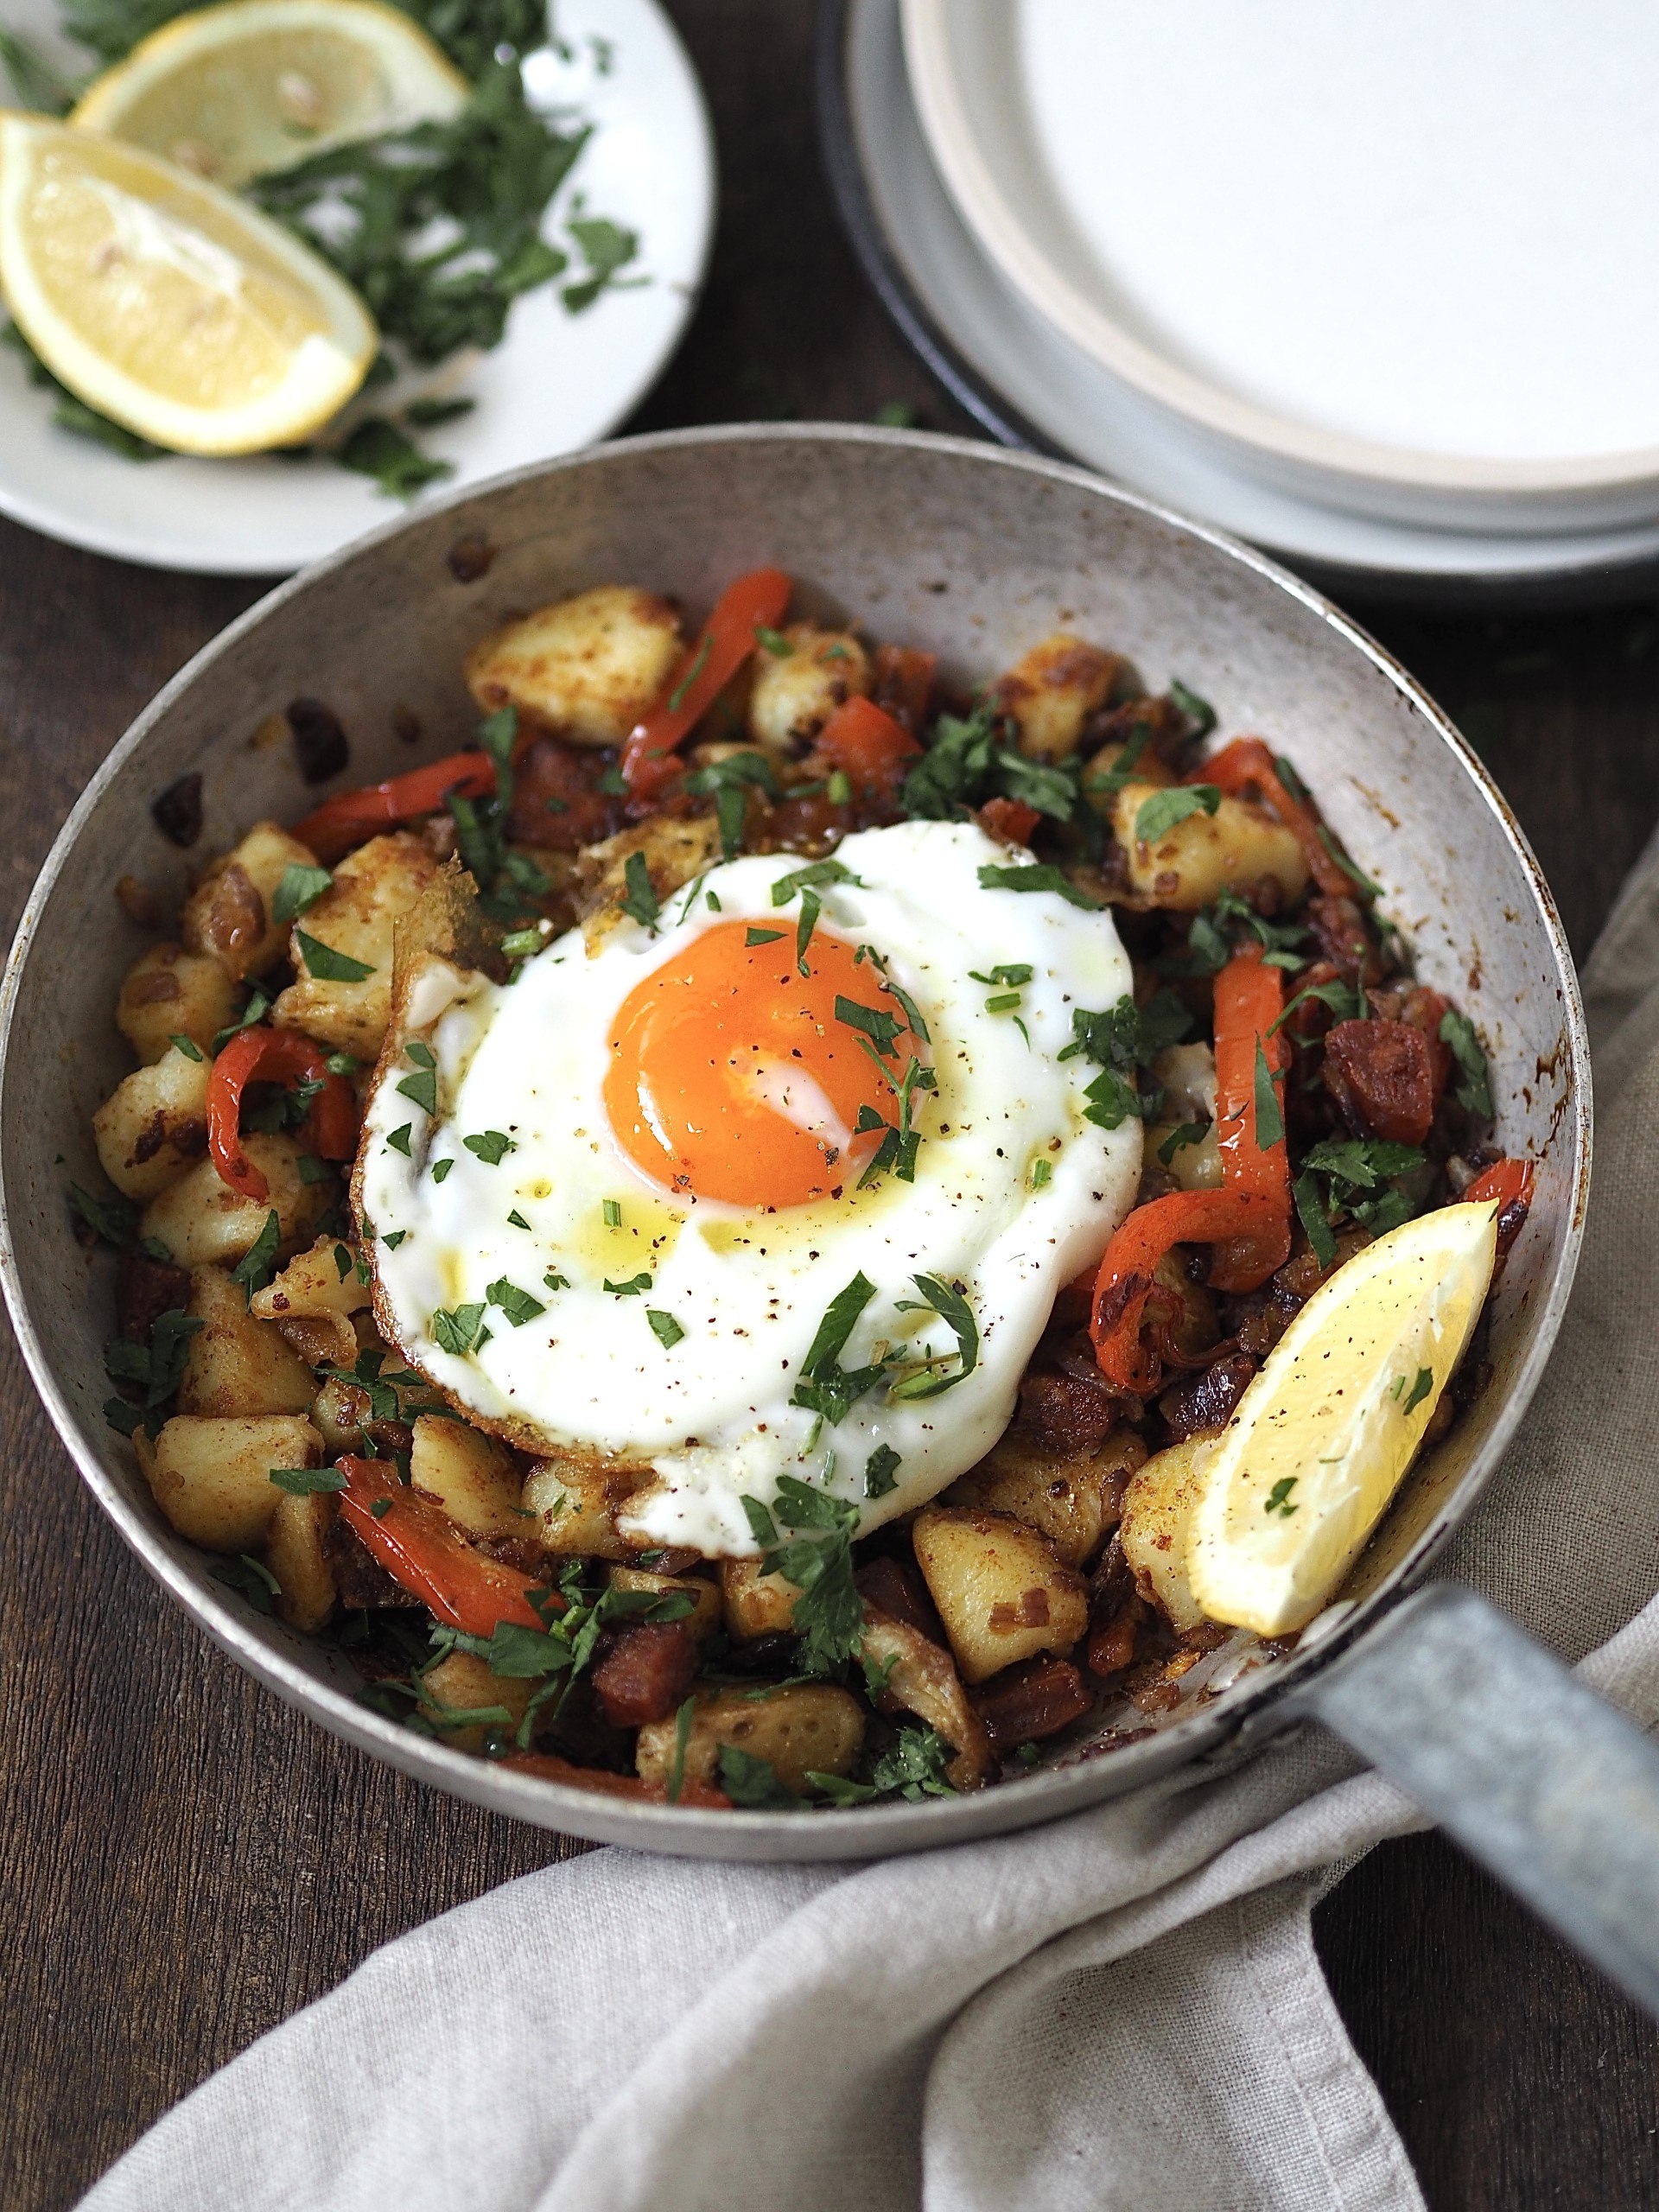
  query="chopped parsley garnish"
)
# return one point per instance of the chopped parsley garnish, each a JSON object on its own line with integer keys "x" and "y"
{"x": 1037, "y": 875}
{"x": 517, "y": 1304}
{"x": 1198, "y": 712}
{"x": 249, "y": 1578}
{"x": 677, "y": 698}
{"x": 460, "y": 1330}
{"x": 773, "y": 641}
{"x": 810, "y": 877}
{"x": 631, "y": 1288}
{"x": 666, "y": 1330}
{"x": 516, "y": 1220}
{"x": 882, "y": 1029}
{"x": 1475, "y": 1091}
{"x": 1122, "y": 1039}
{"x": 829, "y": 1615}
{"x": 729, "y": 782}
{"x": 554, "y": 1281}
{"x": 1165, "y": 809}
{"x": 754, "y": 937}
{"x": 1007, "y": 978}
{"x": 811, "y": 907}
{"x": 915, "y": 1765}
{"x": 900, "y": 1146}
{"x": 304, "y": 1482}
{"x": 881, "y": 1471}
{"x": 343, "y": 1261}
{"x": 328, "y": 966}
{"x": 313, "y": 1170}
{"x": 188, "y": 1047}
{"x": 1346, "y": 1001}
{"x": 300, "y": 887}
{"x": 1270, "y": 1114}
{"x": 255, "y": 1270}
{"x": 1189, "y": 1133}
{"x": 1042, "y": 1172}
{"x": 751, "y": 1783}
{"x": 826, "y": 1388}
{"x": 1359, "y": 1174}
{"x": 840, "y": 1789}
{"x": 1278, "y": 1498}
{"x": 612, "y": 1211}
{"x": 441, "y": 1167}
{"x": 259, "y": 1006}
{"x": 113, "y": 1221}
{"x": 398, "y": 1141}
{"x": 639, "y": 899}
{"x": 155, "y": 1369}
{"x": 1419, "y": 1390}
{"x": 491, "y": 1147}
{"x": 955, "y": 1312}
{"x": 394, "y": 1238}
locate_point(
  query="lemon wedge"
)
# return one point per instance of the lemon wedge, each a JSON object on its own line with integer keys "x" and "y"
{"x": 240, "y": 91}
{"x": 1322, "y": 1439}
{"x": 166, "y": 303}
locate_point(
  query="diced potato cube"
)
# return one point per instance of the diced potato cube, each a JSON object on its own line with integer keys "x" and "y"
{"x": 675, "y": 853}
{"x": 1158, "y": 1510}
{"x": 474, "y": 1476}
{"x": 171, "y": 992}
{"x": 316, "y": 1282}
{"x": 462, "y": 1683}
{"x": 295, "y": 1554}
{"x": 1051, "y": 692}
{"x": 585, "y": 668}
{"x": 154, "y": 1124}
{"x": 1001, "y": 1591}
{"x": 755, "y": 1604}
{"x": 211, "y": 1477}
{"x": 373, "y": 888}
{"x": 704, "y": 1594}
{"x": 576, "y": 1501}
{"x": 1071, "y": 1499}
{"x": 799, "y": 1728}
{"x": 228, "y": 916}
{"x": 201, "y": 1220}
{"x": 236, "y": 1362}
{"x": 1192, "y": 863}
{"x": 794, "y": 694}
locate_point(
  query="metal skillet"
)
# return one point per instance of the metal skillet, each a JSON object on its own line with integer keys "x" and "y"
{"x": 974, "y": 553}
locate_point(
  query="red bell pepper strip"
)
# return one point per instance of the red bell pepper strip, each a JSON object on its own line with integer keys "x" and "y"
{"x": 550, "y": 1767}
{"x": 350, "y": 816}
{"x": 421, "y": 1548}
{"x": 1508, "y": 1181}
{"x": 904, "y": 684}
{"x": 1249, "y": 998}
{"x": 1249, "y": 760}
{"x": 1125, "y": 1280}
{"x": 756, "y": 600}
{"x": 864, "y": 740}
{"x": 1011, "y": 819}
{"x": 262, "y": 1055}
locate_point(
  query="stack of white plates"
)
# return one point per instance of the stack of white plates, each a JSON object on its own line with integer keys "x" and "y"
{"x": 1372, "y": 287}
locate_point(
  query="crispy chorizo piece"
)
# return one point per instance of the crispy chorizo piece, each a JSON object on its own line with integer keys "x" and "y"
{"x": 363, "y": 1583}
{"x": 646, "y": 1674}
{"x": 144, "y": 1290}
{"x": 557, "y": 803}
{"x": 895, "y": 1588}
{"x": 1206, "y": 1398}
{"x": 1026, "y": 1703}
{"x": 1065, "y": 1412}
{"x": 1381, "y": 1075}
{"x": 1344, "y": 935}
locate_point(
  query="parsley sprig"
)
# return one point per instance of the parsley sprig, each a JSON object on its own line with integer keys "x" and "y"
{"x": 817, "y": 1556}
{"x": 1122, "y": 1039}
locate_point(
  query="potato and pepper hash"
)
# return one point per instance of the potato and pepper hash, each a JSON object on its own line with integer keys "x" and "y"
{"x": 710, "y": 1236}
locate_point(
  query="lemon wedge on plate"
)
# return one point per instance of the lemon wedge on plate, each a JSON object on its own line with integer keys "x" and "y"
{"x": 165, "y": 302}
{"x": 239, "y": 91}
{"x": 1322, "y": 1439}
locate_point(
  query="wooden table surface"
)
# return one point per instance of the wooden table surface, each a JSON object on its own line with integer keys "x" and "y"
{"x": 183, "y": 1861}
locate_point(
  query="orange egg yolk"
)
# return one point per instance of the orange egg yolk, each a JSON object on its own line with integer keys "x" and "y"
{"x": 731, "y": 1076}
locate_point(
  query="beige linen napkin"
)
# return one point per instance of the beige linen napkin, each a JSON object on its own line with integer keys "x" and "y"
{"x": 1123, "y": 2010}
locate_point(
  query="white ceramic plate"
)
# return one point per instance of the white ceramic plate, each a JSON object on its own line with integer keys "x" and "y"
{"x": 1084, "y": 412}
{"x": 1400, "y": 256}
{"x": 556, "y": 382}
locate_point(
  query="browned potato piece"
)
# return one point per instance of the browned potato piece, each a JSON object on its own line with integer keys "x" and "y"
{"x": 312, "y": 1302}
{"x": 1071, "y": 1499}
{"x": 1052, "y": 691}
{"x": 585, "y": 668}
{"x": 171, "y": 992}
{"x": 576, "y": 1502}
{"x": 211, "y": 1477}
{"x": 705, "y": 1595}
{"x": 1149, "y": 767}
{"x": 1156, "y": 1514}
{"x": 473, "y": 1477}
{"x": 228, "y": 915}
{"x": 755, "y": 1604}
{"x": 1187, "y": 1073}
{"x": 1001, "y": 1591}
{"x": 924, "y": 1682}
{"x": 236, "y": 1362}
{"x": 1191, "y": 864}
{"x": 295, "y": 1554}
{"x": 462, "y": 1683}
{"x": 372, "y": 888}
{"x": 799, "y": 1728}
{"x": 201, "y": 1220}
{"x": 676, "y": 854}
{"x": 154, "y": 1124}
{"x": 795, "y": 694}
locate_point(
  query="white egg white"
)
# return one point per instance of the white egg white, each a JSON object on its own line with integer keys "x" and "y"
{"x": 712, "y": 1411}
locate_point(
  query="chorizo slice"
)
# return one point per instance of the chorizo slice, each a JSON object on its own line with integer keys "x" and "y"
{"x": 646, "y": 1674}
{"x": 1381, "y": 1075}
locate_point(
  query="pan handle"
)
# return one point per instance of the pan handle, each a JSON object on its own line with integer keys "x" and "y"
{"x": 1534, "y": 1775}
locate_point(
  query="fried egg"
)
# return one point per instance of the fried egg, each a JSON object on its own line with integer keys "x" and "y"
{"x": 784, "y": 1181}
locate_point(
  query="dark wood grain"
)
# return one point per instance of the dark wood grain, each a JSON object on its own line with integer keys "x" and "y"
{"x": 184, "y": 1861}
